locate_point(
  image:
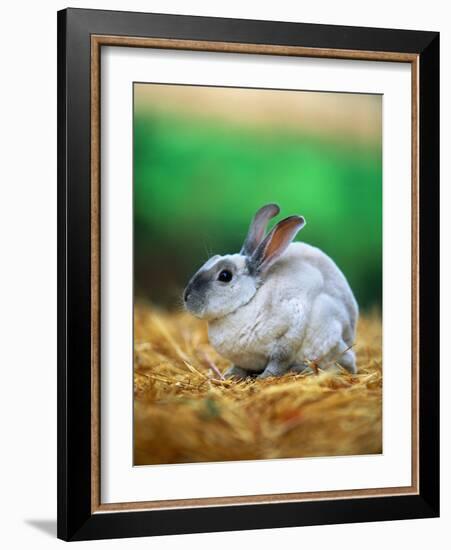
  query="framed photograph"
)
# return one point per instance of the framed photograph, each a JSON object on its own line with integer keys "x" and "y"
{"x": 248, "y": 274}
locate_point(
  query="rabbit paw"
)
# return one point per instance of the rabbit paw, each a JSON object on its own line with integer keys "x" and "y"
{"x": 236, "y": 372}
{"x": 273, "y": 369}
{"x": 301, "y": 369}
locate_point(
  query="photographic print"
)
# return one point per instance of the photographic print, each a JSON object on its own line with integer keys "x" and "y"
{"x": 257, "y": 274}
{"x": 248, "y": 307}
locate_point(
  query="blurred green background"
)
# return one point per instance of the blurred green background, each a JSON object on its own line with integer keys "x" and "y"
{"x": 205, "y": 159}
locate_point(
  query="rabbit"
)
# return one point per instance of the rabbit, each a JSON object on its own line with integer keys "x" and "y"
{"x": 276, "y": 306}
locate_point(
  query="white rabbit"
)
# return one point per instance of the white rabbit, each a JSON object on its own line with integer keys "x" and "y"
{"x": 276, "y": 305}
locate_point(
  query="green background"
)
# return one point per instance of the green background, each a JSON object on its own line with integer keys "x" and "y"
{"x": 198, "y": 182}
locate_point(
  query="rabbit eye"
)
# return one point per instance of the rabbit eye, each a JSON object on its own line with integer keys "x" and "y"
{"x": 225, "y": 276}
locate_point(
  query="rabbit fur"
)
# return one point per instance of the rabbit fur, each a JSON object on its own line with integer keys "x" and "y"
{"x": 277, "y": 306}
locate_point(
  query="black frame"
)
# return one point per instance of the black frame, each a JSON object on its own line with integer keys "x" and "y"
{"x": 75, "y": 520}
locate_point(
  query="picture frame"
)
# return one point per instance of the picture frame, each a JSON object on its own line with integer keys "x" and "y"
{"x": 81, "y": 36}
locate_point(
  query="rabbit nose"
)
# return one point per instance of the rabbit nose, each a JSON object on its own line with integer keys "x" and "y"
{"x": 186, "y": 294}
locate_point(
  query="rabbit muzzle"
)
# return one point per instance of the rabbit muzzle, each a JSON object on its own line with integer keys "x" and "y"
{"x": 194, "y": 299}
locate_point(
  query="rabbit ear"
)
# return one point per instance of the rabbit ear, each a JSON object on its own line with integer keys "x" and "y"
{"x": 258, "y": 227}
{"x": 275, "y": 244}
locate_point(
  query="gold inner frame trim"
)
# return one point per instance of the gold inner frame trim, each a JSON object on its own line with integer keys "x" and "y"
{"x": 97, "y": 41}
